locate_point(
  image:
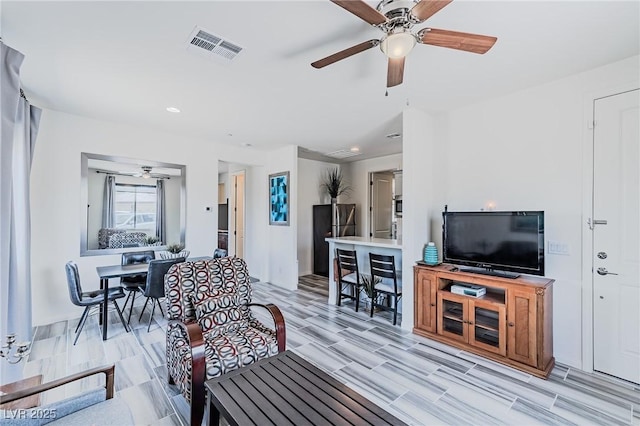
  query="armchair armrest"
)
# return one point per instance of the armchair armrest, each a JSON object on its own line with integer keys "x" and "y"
{"x": 278, "y": 320}
{"x": 193, "y": 333}
{"x": 108, "y": 371}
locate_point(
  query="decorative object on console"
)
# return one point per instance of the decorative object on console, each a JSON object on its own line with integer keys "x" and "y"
{"x": 174, "y": 251}
{"x": 279, "y": 199}
{"x": 22, "y": 350}
{"x": 431, "y": 254}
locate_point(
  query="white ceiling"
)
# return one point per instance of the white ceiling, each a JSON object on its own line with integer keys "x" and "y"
{"x": 128, "y": 61}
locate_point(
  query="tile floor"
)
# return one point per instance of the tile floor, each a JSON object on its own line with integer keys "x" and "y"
{"x": 418, "y": 380}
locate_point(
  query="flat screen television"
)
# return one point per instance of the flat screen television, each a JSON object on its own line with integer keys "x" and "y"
{"x": 496, "y": 242}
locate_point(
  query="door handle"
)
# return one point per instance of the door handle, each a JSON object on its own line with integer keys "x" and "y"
{"x": 603, "y": 271}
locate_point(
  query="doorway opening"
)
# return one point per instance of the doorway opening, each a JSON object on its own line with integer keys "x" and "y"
{"x": 385, "y": 204}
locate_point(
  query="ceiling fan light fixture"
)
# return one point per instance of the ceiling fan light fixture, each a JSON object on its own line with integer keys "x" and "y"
{"x": 397, "y": 45}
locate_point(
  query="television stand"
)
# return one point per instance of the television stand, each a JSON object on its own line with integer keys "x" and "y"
{"x": 491, "y": 272}
{"x": 510, "y": 323}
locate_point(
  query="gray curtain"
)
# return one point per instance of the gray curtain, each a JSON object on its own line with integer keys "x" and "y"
{"x": 18, "y": 132}
{"x": 109, "y": 202}
{"x": 161, "y": 217}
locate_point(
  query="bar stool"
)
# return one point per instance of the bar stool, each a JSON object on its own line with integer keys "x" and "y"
{"x": 349, "y": 283}
{"x": 384, "y": 267}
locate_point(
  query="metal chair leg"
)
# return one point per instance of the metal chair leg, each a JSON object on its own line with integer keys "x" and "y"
{"x": 83, "y": 319}
{"x": 153, "y": 309}
{"x": 133, "y": 301}
{"x": 356, "y": 291}
{"x": 143, "y": 308}
{"x": 120, "y": 315}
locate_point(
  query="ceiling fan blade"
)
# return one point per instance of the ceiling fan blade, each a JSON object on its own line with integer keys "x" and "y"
{"x": 427, "y": 8}
{"x": 475, "y": 43}
{"x": 362, "y": 10}
{"x": 345, "y": 53}
{"x": 395, "y": 71}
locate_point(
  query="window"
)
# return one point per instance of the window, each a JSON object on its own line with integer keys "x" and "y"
{"x": 136, "y": 207}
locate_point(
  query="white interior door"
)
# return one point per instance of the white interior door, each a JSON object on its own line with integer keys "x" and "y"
{"x": 239, "y": 213}
{"x": 616, "y": 243}
{"x": 381, "y": 204}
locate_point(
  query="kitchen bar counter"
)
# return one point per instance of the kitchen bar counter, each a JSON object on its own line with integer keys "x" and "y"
{"x": 363, "y": 246}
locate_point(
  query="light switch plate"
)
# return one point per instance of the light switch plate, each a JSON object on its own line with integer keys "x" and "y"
{"x": 557, "y": 247}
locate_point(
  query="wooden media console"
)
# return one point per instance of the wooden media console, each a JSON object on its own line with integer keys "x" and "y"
{"x": 511, "y": 323}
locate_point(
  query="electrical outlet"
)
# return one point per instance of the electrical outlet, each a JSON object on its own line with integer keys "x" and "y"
{"x": 556, "y": 247}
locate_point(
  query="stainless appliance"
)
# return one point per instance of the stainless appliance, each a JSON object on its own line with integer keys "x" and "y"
{"x": 397, "y": 205}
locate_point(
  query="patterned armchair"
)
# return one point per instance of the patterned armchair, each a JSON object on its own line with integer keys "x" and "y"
{"x": 104, "y": 234}
{"x": 211, "y": 328}
{"x": 128, "y": 239}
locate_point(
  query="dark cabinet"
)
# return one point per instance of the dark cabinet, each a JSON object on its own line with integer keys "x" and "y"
{"x": 345, "y": 226}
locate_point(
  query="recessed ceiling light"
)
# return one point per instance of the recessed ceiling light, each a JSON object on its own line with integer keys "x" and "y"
{"x": 393, "y": 135}
{"x": 355, "y": 149}
{"x": 173, "y": 109}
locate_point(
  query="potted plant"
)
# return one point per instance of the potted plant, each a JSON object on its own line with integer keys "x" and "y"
{"x": 333, "y": 183}
{"x": 369, "y": 283}
{"x": 174, "y": 251}
{"x": 152, "y": 240}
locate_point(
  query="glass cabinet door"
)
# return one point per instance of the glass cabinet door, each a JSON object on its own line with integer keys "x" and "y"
{"x": 453, "y": 316}
{"x": 487, "y": 323}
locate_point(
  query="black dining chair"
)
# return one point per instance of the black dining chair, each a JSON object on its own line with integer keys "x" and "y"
{"x": 154, "y": 286}
{"x": 390, "y": 285}
{"x": 133, "y": 283}
{"x": 349, "y": 283}
{"x": 89, "y": 299}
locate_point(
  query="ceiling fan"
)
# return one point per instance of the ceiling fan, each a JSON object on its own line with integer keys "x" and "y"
{"x": 146, "y": 173}
{"x": 396, "y": 19}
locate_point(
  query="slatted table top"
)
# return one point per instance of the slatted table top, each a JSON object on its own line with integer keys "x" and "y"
{"x": 287, "y": 390}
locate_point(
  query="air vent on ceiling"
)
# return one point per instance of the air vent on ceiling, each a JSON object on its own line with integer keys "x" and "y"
{"x": 342, "y": 153}
{"x": 211, "y": 44}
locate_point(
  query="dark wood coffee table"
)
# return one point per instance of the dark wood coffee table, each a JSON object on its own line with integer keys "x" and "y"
{"x": 287, "y": 390}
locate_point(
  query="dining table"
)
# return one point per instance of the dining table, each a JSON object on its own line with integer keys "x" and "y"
{"x": 119, "y": 271}
{"x": 115, "y": 271}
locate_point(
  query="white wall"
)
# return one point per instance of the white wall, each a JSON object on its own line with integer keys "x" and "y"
{"x": 357, "y": 176}
{"x": 281, "y": 250}
{"x": 56, "y": 209}
{"x": 524, "y": 151}
{"x": 310, "y": 174}
{"x": 419, "y": 182}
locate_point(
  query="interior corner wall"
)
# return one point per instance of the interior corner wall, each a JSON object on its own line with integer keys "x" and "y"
{"x": 419, "y": 183}
{"x": 55, "y": 200}
{"x": 524, "y": 152}
{"x": 281, "y": 240}
{"x": 309, "y": 193}
{"x": 356, "y": 174}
